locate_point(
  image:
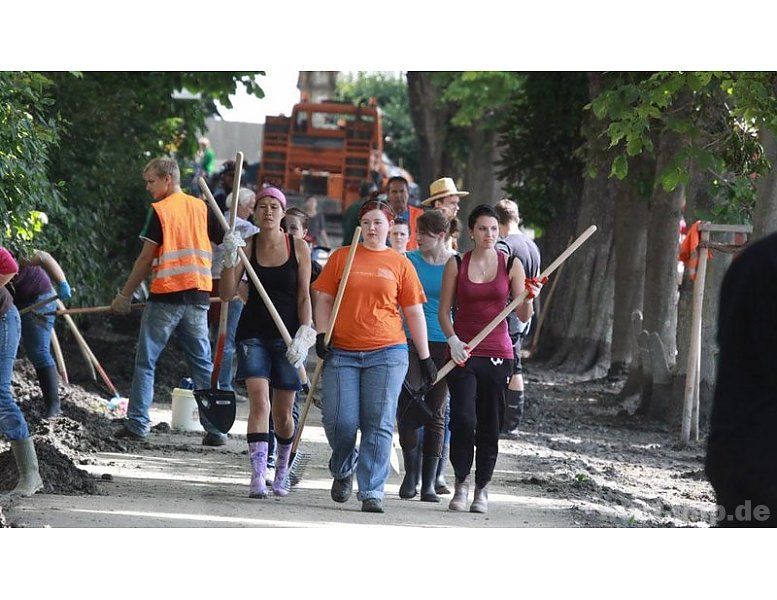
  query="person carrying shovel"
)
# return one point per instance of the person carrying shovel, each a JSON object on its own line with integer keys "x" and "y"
{"x": 31, "y": 286}
{"x": 176, "y": 252}
{"x": 282, "y": 264}
{"x": 366, "y": 364}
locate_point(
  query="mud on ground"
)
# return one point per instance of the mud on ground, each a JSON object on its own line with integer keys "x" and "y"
{"x": 578, "y": 444}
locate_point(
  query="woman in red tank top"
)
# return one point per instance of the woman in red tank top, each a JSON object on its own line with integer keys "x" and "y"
{"x": 478, "y": 286}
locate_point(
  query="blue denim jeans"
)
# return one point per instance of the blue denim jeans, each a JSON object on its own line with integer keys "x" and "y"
{"x": 36, "y": 333}
{"x": 227, "y": 371}
{"x": 12, "y": 423}
{"x": 160, "y": 320}
{"x": 360, "y": 391}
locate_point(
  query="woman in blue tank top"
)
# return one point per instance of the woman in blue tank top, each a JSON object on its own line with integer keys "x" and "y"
{"x": 433, "y": 233}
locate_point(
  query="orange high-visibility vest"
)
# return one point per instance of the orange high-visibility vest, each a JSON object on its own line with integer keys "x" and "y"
{"x": 413, "y": 213}
{"x": 183, "y": 260}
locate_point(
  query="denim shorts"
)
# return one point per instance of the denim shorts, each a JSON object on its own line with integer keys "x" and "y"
{"x": 266, "y": 359}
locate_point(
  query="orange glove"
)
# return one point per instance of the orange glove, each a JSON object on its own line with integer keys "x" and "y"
{"x": 533, "y": 286}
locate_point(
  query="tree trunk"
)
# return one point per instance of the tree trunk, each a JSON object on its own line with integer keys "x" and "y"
{"x": 661, "y": 289}
{"x": 765, "y": 217}
{"x": 631, "y": 211}
{"x": 480, "y": 177}
{"x": 578, "y": 329}
{"x": 431, "y": 125}
{"x": 579, "y": 324}
{"x": 716, "y": 270}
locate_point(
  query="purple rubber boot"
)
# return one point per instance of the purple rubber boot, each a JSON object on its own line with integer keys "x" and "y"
{"x": 281, "y": 470}
{"x": 257, "y": 451}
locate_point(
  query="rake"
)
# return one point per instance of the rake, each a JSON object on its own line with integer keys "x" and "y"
{"x": 299, "y": 460}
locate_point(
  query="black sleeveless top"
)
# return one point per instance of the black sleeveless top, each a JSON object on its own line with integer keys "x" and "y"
{"x": 280, "y": 283}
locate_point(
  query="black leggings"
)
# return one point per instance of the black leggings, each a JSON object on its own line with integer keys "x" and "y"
{"x": 476, "y": 406}
{"x": 434, "y": 431}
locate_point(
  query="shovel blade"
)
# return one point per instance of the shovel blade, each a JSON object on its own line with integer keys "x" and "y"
{"x": 217, "y": 406}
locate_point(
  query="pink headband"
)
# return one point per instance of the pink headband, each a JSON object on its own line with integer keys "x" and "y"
{"x": 272, "y": 192}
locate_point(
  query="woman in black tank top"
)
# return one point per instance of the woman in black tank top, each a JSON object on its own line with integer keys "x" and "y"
{"x": 282, "y": 264}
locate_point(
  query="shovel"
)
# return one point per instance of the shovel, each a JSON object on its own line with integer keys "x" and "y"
{"x": 217, "y": 405}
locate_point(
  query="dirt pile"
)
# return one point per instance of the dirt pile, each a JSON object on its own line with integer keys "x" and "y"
{"x": 58, "y": 471}
{"x": 87, "y": 423}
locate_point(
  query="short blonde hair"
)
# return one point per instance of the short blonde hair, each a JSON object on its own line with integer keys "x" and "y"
{"x": 163, "y": 166}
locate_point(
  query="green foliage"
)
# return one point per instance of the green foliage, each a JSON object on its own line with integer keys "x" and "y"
{"x": 27, "y": 137}
{"x": 109, "y": 124}
{"x": 482, "y": 96}
{"x": 540, "y": 133}
{"x": 717, "y": 114}
{"x": 390, "y": 90}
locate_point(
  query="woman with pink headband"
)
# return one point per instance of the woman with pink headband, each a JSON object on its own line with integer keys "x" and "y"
{"x": 282, "y": 264}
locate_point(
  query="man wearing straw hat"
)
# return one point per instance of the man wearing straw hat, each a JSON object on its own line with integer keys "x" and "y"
{"x": 176, "y": 251}
{"x": 444, "y": 195}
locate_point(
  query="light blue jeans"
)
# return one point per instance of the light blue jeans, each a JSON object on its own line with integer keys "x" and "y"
{"x": 12, "y": 423}
{"x": 189, "y": 322}
{"x": 360, "y": 391}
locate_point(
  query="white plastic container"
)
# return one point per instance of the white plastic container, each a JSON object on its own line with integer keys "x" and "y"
{"x": 185, "y": 414}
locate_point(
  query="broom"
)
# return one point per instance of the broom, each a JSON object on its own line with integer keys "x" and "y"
{"x": 299, "y": 460}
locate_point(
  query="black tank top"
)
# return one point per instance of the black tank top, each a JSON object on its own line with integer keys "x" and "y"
{"x": 280, "y": 283}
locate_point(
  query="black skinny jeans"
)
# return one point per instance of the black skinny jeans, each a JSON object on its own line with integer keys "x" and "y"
{"x": 434, "y": 431}
{"x": 476, "y": 408}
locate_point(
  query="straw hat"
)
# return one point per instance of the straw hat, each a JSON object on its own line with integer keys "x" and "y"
{"x": 441, "y": 188}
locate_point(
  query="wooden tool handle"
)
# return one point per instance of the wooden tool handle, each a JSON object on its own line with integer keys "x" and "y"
{"x": 448, "y": 367}
{"x": 252, "y": 276}
{"x": 320, "y": 365}
{"x": 224, "y": 314}
{"x": 83, "y": 346}
{"x": 87, "y": 310}
{"x": 43, "y": 302}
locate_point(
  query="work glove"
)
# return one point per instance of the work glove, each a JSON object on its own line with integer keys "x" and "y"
{"x": 459, "y": 350}
{"x": 533, "y": 286}
{"x": 63, "y": 291}
{"x": 297, "y": 351}
{"x": 121, "y": 304}
{"x": 322, "y": 349}
{"x": 232, "y": 241}
{"x": 428, "y": 372}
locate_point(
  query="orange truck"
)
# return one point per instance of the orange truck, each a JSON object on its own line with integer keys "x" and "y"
{"x": 325, "y": 149}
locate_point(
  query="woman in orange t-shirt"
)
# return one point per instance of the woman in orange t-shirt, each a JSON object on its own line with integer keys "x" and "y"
{"x": 367, "y": 361}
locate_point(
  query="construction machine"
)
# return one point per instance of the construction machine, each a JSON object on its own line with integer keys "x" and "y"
{"x": 326, "y": 149}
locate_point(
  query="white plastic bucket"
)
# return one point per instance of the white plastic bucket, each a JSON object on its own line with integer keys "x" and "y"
{"x": 185, "y": 414}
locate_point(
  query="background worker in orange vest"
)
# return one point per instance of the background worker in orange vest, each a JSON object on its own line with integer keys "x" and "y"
{"x": 398, "y": 191}
{"x": 176, "y": 251}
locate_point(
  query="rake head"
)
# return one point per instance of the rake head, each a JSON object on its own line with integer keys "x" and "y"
{"x": 297, "y": 466}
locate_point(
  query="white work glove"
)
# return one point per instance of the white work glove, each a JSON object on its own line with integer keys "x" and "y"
{"x": 459, "y": 350}
{"x": 121, "y": 304}
{"x": 231, "y": 242}
{"x": 297, "y": 351}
